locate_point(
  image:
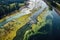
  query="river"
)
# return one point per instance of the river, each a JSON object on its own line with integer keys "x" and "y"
{"x": 55, "y": 24}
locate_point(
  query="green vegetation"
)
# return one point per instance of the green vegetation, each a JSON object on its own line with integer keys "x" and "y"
{"x": 7, "y": 9}
{"x": 58, "y": 6}
{"x": 8, "y": 32}
{"x": 54, "y": 3}
{"x": 40, "y": 24}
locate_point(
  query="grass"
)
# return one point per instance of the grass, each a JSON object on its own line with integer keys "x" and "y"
{"x": 35, "y": 27}
{"x": 41, "y": 21}
{"x": 8, "y": 32}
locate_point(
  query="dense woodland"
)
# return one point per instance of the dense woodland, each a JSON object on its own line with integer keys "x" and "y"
{"x": 8, "y": 6}
{"x": 53, "y": 2}
{"x": 6, "y": 9}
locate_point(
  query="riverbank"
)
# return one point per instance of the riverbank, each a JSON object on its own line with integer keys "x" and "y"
{"x": 39, "y": 25}
{"x": 12, "y": 24}
{"x": 8, "y": 32}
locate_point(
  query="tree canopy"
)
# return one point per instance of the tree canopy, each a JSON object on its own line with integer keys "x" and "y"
{"x": 54, "y": 0}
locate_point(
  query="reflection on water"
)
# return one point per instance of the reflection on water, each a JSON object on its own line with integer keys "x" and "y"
{"x": 56, "y": 25}
{"x": 53, "y": 32}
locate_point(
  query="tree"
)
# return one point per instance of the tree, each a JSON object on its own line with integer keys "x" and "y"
{"x": 54, "y": 0}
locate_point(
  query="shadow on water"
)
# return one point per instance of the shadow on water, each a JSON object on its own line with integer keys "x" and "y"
{"x": 39, "y": 37}
{"x": 20, "y": 33}
{"x": 53, "y": 31}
